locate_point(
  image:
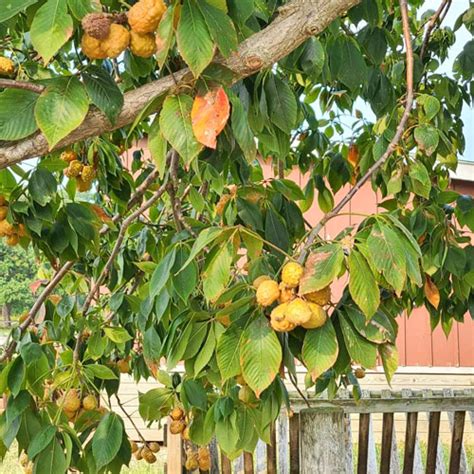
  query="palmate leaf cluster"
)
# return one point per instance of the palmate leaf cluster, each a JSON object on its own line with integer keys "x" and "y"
{"x": 176, "y": 301}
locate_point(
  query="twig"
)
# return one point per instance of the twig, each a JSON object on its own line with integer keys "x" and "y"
{"x": 125, "y": 225}
{"x": 123, "y": 229}
{"x": 119, "y": 403}
{"x": 29, "y": 86}
{"x": 36, "y": 307}
{"x": 175, "y": 202}
{"x": 431, "y": 25}
{"x": 295, "y": 384}
{"x": 391, "y": 147}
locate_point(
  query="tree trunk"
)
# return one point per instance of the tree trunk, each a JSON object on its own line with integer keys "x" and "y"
{"x": 6, "y": 315}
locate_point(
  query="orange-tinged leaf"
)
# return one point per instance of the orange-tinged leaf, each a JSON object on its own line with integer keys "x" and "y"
{"x": 432, "y": 292}
{"x": 209, "y": 116}
{"x": 353, "y": 156}
{"x": 100, "y": 213}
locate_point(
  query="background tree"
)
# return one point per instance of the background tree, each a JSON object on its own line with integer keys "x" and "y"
{"x": 17, "y": 272}
{"x": 153, "y": 267}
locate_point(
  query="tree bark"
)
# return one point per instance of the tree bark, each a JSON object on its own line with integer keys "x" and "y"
{"x": 6, "y": 315}
{"x": 296, "y": 22}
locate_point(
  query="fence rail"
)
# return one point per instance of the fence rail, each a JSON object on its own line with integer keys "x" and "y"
{"x": 318, "y": 439}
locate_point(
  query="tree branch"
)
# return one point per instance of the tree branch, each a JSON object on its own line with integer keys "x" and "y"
{"x": 297, "y": 21}
{"x": 63, "y": 271}
{"x": 445, "y": 4}
{"x": 391, "y": 147}
{"x": 29, "y": 86}
{"x": 60, "y": 274}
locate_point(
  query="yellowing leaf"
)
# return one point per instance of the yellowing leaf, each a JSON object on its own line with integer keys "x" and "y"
{"x": 353, "y": 156}
{"x": 209, "y": 116}
{"x": 432, "y": 292}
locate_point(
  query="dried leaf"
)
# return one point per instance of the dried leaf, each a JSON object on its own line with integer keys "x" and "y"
{"x": 100, "y": 213}
{"x": 432, "y": 292}
{"x": 209, "y": 116}
{"x": 353, "y": 157}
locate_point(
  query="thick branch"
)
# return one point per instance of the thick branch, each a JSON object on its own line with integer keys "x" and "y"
{"x": 29, "y": 86}
{"x": 391, "y": 147}
{"x": 297, "y": 21}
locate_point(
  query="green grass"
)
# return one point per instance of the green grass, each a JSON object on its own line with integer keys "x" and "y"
{"x": 423, "y": 447}
{"x": 10, "y": 464}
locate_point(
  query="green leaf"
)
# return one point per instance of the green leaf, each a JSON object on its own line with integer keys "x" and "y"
{"x": 260, "y": 355}
{"x": 16, "y": 376}
{"x": 420, "y": 179}
{"x": 204, "y": 239}
{"x": 194, "y": 42}
{"x": 164, "y": 36}
{"x": 321, "y": 268}
{"x": 22, "y": 123}
{"x": 389, "y": 355}
{"x": 41, "y": 440}
{"x": 100, "y": 371}
{"x": 220, "y": 26}
{"x": 10, "y": 8}
{"x": 427, "y": 138}
{"x": 360, "y": 349}
{"x": 431, "y": 105}
{"x": 42, "y": 186}
{"x": 216, "y": 275}
{"x": 362, "y": 285}
{"x": 155, "y": 403}
{"x": 320, "y": 349}
{"x": 107, "y": 439}
{"x": 80, "y": 8}
{"x": 205, "y": 352}
{"x": 276, "y": 231}
{"x": 117, "y": 335}
{"x": 193, "y": 393}
{"x": 175, "y": 124}
{"x": 388, "y": 254}
{"x": 185, "y": 281}
{"x": 162, "y": 273}
{"x": 281, "y": 102}
{"x": 66, "y": 100}
{"x": 347, "y": 62}
{"x": 51, "y": 459}
{"x": 228, "y": 353}
{"x": 288, "y": 188}
{"x": 158, "y": 146}
{"x": 103, "y": 91}
{"x": 51, "y": 28}
{"x": 241, "y": 129}
{"x": 151, "y": 345}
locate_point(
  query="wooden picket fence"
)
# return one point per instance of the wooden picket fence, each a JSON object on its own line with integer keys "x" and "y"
{"x": 318, "y": 440}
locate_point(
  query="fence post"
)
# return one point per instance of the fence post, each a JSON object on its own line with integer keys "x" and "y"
{"x": 322, "y": 445}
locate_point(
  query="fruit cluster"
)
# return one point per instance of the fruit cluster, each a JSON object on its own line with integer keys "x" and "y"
{"x": 198, "y": 459}
{"x": 103, "y": 38}
{"x": 146, "y": 451}
{"x": 7, "y": 67}
{"x": 293, "y": 310}
{"x": 178, "y": 424}
{"x": 73, "y": 406}
{"x": 11, "y": 232}
{"x": 83, "y": 174}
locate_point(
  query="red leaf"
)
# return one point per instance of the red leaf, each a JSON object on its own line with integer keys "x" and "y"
{"x": 209, "y": 116}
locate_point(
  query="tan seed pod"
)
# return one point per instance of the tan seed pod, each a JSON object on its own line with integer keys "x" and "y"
{"x": 177, "y": 413}
{"x": 154, "y": 447}
{"x": 96, "y": 25}
{"x": 177, "y": 426}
